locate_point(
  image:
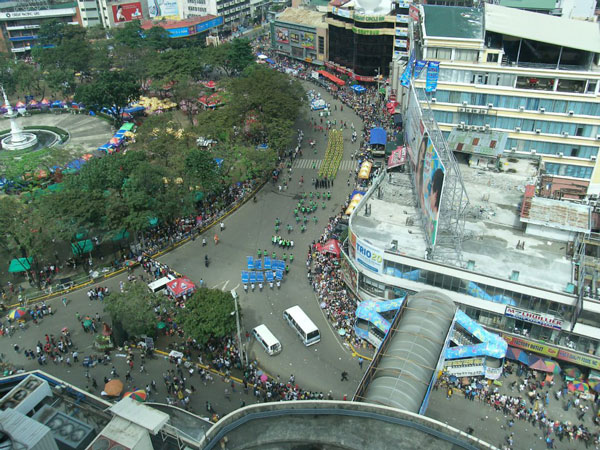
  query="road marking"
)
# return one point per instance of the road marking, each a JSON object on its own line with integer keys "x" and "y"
{"x": 225, "y": 285}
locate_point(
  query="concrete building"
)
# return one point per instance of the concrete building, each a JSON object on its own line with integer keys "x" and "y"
{"x": 570, "y": 9}
{"x": 234, "y": 12}
{"x": 300, "y": 34}
{"x": 18, "y": 26}
{"x": 91, "y": 13}
{"x": 536, "y": 89}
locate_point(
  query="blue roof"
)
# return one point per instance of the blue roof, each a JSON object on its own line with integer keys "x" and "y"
{"x": 378, "y": 136}
{"x": 491, "y": 344}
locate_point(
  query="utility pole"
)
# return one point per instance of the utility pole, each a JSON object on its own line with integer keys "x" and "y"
{"x": 243, "y": 354}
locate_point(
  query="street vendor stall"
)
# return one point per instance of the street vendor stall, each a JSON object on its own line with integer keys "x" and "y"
{"x": 180, "y": 287}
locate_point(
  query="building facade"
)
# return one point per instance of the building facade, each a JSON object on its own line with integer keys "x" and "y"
{"x": 19, "y": 29}
{"x": 300, "y": 34}
{"x": 499, "y": 74}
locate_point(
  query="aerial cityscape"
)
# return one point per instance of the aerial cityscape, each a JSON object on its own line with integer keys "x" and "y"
{"x": 303, "y": 224}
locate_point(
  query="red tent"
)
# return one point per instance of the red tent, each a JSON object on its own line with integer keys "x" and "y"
{"x": 181, "y": 286}
{"x": 331, "y": 246}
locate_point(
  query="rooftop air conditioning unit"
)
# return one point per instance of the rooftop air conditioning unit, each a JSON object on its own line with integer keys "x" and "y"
{"x": 490, "y": 105}
{"x": 513, "y": 149}
{"x": 461, "y": 126}
{"x": 565, "y": 133}
{"x": 487, "y": 127}
{"x": 560, "y": 154}
{"x": 518, "y": 129}
{"x": 468, "y": 110}
{"x": 533, "y": 151}
{"x": 521, "y": 108}
{"x": 538, "y": 131}
{"x": 593, "y": 157}
{"x": 461, "y": 109}
{"x": 433, "y": 100}
{"x": 481, "y": 128}
{"x": 542, "y": 110}
{"x": 571, "y": 113}
{"x": 598, "y": 137}
{"x": 465, "y": 103}
{"x": 483, "y": 111}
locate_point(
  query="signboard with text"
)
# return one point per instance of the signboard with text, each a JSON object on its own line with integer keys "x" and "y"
{"x": 14, "y": 15}
{"x": 163, "y": 9}
{"x": 369, "y": 256}
{"x": 544, "y": 320}
{"x": 468, "y": 367}
{"x": 553, "y": 352}
{"x": 127, "y": 12}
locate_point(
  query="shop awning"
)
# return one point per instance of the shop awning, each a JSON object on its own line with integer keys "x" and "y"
{"x": 82, "y": 247}
{"x": 332, "y": 77}
{"x": 378, "y": 136}
{"x": 127, "y": 127}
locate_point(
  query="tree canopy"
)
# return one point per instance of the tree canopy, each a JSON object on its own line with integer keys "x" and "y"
{"x": 133, "y": 309}
{"x": 208, "y": 313}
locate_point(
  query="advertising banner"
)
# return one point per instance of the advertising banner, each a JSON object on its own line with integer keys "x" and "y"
{"x": 433, "y": 72}
{"x": 368, "y": 256}
{"x": 349, "y": 273}
{"x": 553, "y": 352}
{"x": 544, "y": 320}
{"x": 468, "y": 367}
{"x": 413, "y": 12}
{"x": 127, "y": 12}
{"x": 282, "y": 35}
{"x": 308, "y": 40}
{"x": 429, "y": 180}
{"x": 397, "y": 158}
{"x": 341, "y": 12}
{"x": 492, "y": 373}
{"x": 163, "y": 9}
{"x": 419, "y": 66}
{"x": 407, "y": 74}
{"x": 294, "y": 37}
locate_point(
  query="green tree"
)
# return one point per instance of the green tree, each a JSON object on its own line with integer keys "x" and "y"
{"x": 208, "y": 314}
{"x": 113, "y": 90}
{"x": 133, "y": 310}
{"x": 232, "y": 57}
{"x": 156, "y": 38}
{"x": 202, "y": 170}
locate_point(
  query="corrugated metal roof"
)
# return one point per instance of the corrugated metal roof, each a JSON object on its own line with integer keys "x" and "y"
{"x": 559, "y": 214}
{"x": 402, "y": 377}
{"x": 302, "y": 17}
{"x": 553, "y": 30}
{"x": 140, "y": 414}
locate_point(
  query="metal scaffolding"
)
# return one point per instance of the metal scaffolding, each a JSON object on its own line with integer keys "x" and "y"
{"x": 454, "y": 201}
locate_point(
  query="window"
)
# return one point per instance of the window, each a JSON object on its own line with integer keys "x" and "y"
{"x": 321, "y": 44}
{"x": 466, "y": 55}
{"x": 492, "y": 57}
{"x": 439, "y": 53}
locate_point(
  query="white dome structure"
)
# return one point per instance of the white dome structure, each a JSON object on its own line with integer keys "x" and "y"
{"x": 375, "y": 7}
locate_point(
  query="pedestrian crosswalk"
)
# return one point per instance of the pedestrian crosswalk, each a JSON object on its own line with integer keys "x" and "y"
{"x": 347, "y": 164}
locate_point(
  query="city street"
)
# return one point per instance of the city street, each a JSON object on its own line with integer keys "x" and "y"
{"x": 316, "y": 368}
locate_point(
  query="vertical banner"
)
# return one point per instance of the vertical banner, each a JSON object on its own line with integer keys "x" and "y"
{"x": 407, "y": 74}
{"x": 433, "y": 71}
{"x": 419, "y": 66}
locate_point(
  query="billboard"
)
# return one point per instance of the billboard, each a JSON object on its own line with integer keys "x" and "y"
{"x": 429, "y": 183}
{"x": 545, "y": 320}
{"x": 164, "y": 9}
{"x": 294, "y": 37}
{"x": 282, "y": 35}
{"x": 308, "y": 40}
{"x": 127, "y": 12}
{"x": 368, "y": 256}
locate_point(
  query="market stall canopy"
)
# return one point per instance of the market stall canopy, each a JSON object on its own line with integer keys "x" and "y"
{"x": 127, "y": 127}
{"x": 331, "y": 77}
{"x": 356, "y": 198}
{"x": 113, "y": 388}
{"x": 81, "y": 247}
{"x": 20, "y": 265}
{"x": 181, "y": 286}
{"x": 365, "y": 170}
{"x": 331, "y": 246}
{"x": 378, "y": 136}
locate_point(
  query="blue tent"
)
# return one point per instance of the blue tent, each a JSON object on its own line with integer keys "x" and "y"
{"x": 57, "y": 104}
{"x": 75, "y": 164}
{"x": 270, "y": 61}
{"x": 134, "y": 109}
{"x": 359, "y": 89}
{"x": 378, "y": 136}
{"x": 120, "y": 134}
{"x": 105, "y": 147}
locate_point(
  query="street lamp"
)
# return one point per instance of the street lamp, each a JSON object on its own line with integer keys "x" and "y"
{"x": 243, "y": 354}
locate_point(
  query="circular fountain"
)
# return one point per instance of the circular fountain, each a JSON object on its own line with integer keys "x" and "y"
{"x": 17, "y": 139}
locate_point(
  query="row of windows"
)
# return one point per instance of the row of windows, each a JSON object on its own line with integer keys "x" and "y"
{"x": 482, "y": 291}
{"x": 511, "y": 123}
{"x": 552, "y": 148}
{"x": 569, "y": 170}
{"x": 513, "y": 102}
{"x": 446, "y": 54}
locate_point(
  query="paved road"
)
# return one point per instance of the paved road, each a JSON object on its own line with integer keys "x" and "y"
{"x": 316, "y": 368}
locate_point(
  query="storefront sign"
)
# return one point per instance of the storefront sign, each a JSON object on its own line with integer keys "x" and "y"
{"x": 368, "y": 256}
{"x": 553, "y": 352}
{"x": 366, "y": 18}
{"x": 363, "y": 31}
{"x": 468, "y": 367}
{"x": 492, "y": 373}
{"x": 42, "y": 13}
{"x": 349, "y": 273}
{"x": 544, "y": 320}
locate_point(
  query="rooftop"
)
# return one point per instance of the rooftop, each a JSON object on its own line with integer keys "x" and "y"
{"x": 577, "y": 34}
{"x": 169, "y": 24}
{"x": 454, "y": 22}
{"x": 492, "y": 226}
{"x": 301, "y": 16}
{"x": 538, "y": 5}
{"x": 558, "y": 214}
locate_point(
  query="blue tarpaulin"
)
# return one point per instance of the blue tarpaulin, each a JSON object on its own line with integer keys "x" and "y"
{"x": 270, "y": 61}
{"x": 134, "y": 109}
{"x": 75, "y": 164}
{"x": 359, "y": 89}
{"x": 378, "y": 136}
{"x": 57, "y": 104}
{"x": 105, "y": 147}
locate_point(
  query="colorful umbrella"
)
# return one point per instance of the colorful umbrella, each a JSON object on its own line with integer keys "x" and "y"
{"x": 578, "y": 386}
{"x": 537, "y": 363}
{"x": 17, "y": 313}
{"x": 572, "y": 372}
{"x": 161, "y": 325}
{"x": 113, "y": 388}
{"x": 595, "y": 385}
{"x": 552, "y": 367}
{"x": 87, "y": 156}
{"x": 263, "y": 378}
{"x": 139, "y": 395}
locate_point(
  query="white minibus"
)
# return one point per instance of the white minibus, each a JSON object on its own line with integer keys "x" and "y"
{"x": 265, "y": 338}
{"x": 299, "y": 321}
{"x": 160, "y": 284}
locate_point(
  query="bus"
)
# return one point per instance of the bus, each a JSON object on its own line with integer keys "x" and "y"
{"x": 299, "y": 321}
{"x": 265, "y": 338}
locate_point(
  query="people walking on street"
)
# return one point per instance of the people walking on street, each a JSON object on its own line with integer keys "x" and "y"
{"x": 344, "y": 376}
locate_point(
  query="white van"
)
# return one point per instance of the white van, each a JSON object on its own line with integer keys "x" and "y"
{"x": 299, "y": 321}
{"x": 160, "y": 284}
{"x": 265, "y": 338}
